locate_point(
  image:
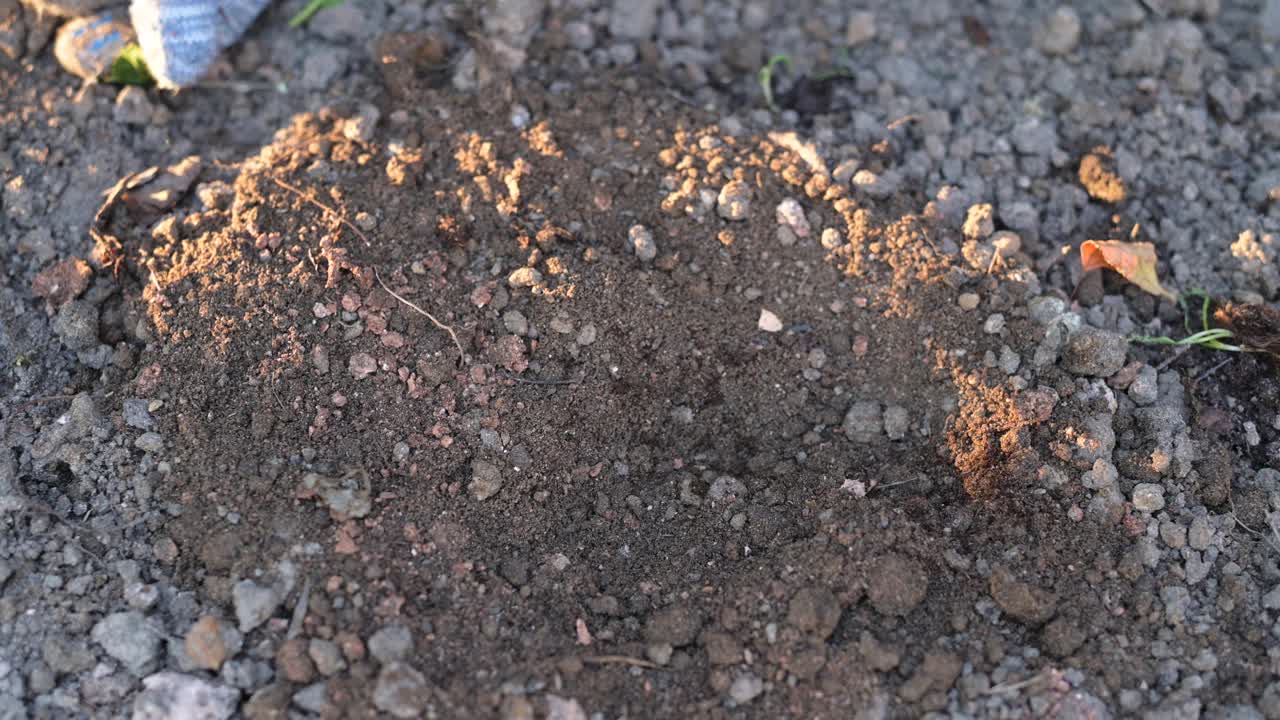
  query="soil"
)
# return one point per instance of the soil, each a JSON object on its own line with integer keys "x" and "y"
{"x": 621, "y": 408}
{"x": 607, "y": 450}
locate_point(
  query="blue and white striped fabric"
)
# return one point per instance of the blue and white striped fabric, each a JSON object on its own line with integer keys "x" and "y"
{"x": 181, "y": 38}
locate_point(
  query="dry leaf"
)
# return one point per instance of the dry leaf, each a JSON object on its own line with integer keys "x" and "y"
{"x": 1135, "y": 261}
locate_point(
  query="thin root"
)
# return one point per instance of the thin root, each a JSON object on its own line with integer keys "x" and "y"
{"x": 341, "y": 218}
{"x": 620, "y": 660}
{"x": 535, "y": 381}
{"x": 462, "y": 354}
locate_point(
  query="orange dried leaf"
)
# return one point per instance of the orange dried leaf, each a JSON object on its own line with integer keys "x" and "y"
{"x": 1135, "y": 261}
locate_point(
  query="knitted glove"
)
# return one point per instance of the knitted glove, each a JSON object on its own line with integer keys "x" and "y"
{"x": 181, "y": 38}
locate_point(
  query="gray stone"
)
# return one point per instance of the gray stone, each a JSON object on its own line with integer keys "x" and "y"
{"x": 392, "y": 643}
{"x": 863, "y": 422}
{"x": 1176, "y": 599}
{"x": 149, "y": 442}
{"x": 1080, "y": 705}
{"x": 137, "y": 415}
{"x": 1143, "y": 390}
{"x": 634, "y": 19}
{"x": 175, "y": 696}
{"x": 860, "y": 29}
{"x": 580, "y": 35}
{"x": 745, "y": 688}
{"x": 321, "y": 66}
{"x": 1060, "y": 33}
{"x": 1148, "y": 497}
{"x": 1269, "y": 20}
{"x": 726, "y": 487}
{"x": 401, "y": 691}
{"x": 896, "y": 422}
{"x": 326, "y": 655}
{"x": 254, "y": 604}
{"x": 133, "y": 107}
{"x": 130, "y": 638}
{"x": 313, "y": 698}
{"x": 1200, "y": 535}
{"x": 77, "y": 325}
{"x": 1093, "y": 352}
{"x": 1271, "y": 600}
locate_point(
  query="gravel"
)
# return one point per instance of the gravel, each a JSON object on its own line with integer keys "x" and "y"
{"x": 391, "y": 644}
{"x": 1148, "y": 497}
{"x": 77, "y": 325}
{"x": 401, "y": 691}
{"x": 1178, "y": 90}
{"x": 745, "y": 688}
{"x": 1060, "y": 32}
{"x": 175, "y": 696}
{"x": 253, "y": 604}
{"x": 129, "y": 637}
{"x": 1093, "y": 352}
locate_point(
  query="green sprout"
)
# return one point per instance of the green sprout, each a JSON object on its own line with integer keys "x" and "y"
{"x": 1207, "y": 337}
{"x": 765, "y": 76}
{"x": 312, "y": 7}
{"x": 130, "y": 68}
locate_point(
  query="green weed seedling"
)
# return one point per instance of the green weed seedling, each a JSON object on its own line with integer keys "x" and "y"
{"x": 765, "y": 76}
{"x": 313, "y": 7}
{"x": 1210, "y": 338}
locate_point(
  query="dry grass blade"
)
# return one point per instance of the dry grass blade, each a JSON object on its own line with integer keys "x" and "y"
{"x": 462, "y": 354}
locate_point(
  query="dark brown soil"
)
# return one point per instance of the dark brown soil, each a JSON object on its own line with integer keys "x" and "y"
{"x": 604, "y": 529}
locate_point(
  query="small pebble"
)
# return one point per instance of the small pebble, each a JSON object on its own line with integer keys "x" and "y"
{"x": 968, "y": 301}
{"x": 1148, "y": 497}
{"x": 745, "y": 688}
{"x": 769, "y": 322}
{"x": 641, "y": 241}
{"x": 1060, "y": 33}
{"x": 790, "y": 214}
{"x": 861, "y": 28}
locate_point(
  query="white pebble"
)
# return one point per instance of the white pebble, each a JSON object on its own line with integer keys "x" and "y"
{"x": 790, "y": 214}
{"x": 769, "y": 322}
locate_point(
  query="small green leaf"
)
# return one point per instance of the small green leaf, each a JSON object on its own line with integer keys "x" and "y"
{"x": 130, "y": 68}
{"x": 313, "y": 7}
{"x": 765, "y": 76}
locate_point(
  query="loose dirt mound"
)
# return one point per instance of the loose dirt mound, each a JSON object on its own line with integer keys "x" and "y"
{"x": 700, "y": 444}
